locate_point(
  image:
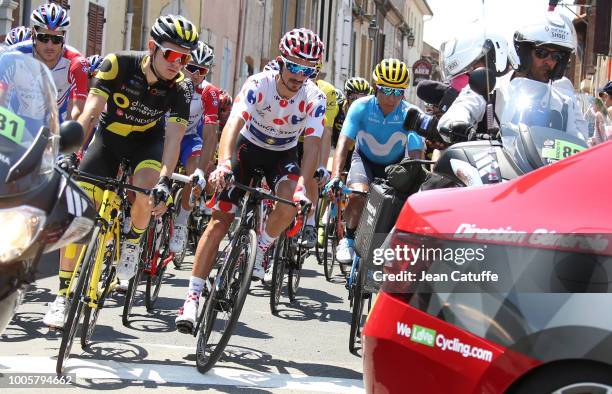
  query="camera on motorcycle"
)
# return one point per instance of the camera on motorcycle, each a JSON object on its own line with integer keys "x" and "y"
{"x": 482, "y": 81}
{"x": 71, "y": 136}
{"x": 457, "y": 132}
{"x": 424, "y": 124}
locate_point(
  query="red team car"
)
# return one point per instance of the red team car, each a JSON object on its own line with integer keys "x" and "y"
{"x": 530, "y": 314}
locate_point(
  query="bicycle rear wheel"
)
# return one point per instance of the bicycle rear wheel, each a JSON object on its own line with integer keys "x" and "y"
{"x": 179, "y": 257}
{"x": 224, "y": 304}
{"x": 76, "y": 299}
{"x": 278, "y": 271}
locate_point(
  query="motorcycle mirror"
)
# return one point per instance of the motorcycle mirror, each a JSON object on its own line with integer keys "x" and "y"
{"x": 482, "y": 81}
{"x": 71, "y": 136}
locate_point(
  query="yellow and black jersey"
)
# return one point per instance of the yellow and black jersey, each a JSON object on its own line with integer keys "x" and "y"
{"x": 338, "y": 122}
{"x": 132, "y": 105}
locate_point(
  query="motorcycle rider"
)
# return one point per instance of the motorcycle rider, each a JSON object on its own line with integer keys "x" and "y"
{"x": 542, "y": 52}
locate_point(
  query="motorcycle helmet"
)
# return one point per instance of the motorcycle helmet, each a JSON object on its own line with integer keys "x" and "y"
{"x": 460, "y": 54}
{"x": 551, "y": 30}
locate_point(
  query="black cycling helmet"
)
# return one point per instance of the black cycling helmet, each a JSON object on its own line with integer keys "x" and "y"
{"x": 177, "y": 30}
{"x": 357, "y": 85}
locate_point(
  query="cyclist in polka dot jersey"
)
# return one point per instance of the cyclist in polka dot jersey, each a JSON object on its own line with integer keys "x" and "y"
{"x": 269, "y": 114}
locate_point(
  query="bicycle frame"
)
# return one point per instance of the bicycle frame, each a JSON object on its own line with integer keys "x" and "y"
{"x": 107, "y": 214}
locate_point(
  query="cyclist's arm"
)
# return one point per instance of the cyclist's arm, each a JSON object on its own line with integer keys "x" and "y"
{"x": 309, "y": 163}
{"x": 345, "y": 144}
{"x": 77, "y": 108}
{"x": 209, "y": 146}
{"x": 415, "y": 147}
{"x": 210, "y": 100}
{"x": 325, "y": 146}
{"x": 91, "y": 112}
{"x": 78, "y": 76}
{"x": 176, "y": 124}
{"x": 331, "y": 111}
{"x": 228, "y": 137}
{"x": 172, "y": 146}
{"x": 348, "y": 135}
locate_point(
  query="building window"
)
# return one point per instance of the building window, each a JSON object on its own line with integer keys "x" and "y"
{"x": 95, "y": 29}
{"x": 226, "y": 63}
{"x": 62, "y": 3}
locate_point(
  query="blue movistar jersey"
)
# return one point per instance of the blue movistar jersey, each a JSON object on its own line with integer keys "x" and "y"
{"x": 382, "y": 139}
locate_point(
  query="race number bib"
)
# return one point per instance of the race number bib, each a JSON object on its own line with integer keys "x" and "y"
{"x": 560, "y": 149}
{"x": 11, "y": 125}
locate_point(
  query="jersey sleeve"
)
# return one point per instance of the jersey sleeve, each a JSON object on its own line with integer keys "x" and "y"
{"x": 331, "y": 109}
{"x": 179, "y": 112}
{"x": 315, "y": 118}
{"x": 78, "y": 77}
{"x": 106, "y": 77}
{"x": 210, "y": 98}
{"x": 244, "y": 103}
{"x": 352, "y": 122}
{"x": 415, "y": 142}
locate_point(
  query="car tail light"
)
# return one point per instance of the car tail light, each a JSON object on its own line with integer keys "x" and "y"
{"x": 400, "y": 264}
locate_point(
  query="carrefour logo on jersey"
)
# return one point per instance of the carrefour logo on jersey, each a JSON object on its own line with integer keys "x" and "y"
{"x": 320, "y": 111}
{"x": 252, "y": 98}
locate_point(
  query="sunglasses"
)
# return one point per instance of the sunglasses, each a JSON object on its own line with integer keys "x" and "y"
{"x": 194, "y": 68}
{"x": 295, "y": 68}
{"x": 387, "y": 91}
{"x": 44, "y": 38}
{"x": 171, "y": 56}
{"x": 542, "y": 53}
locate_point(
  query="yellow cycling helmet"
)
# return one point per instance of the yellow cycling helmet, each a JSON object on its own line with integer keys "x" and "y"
{"x": 392, "y": 73}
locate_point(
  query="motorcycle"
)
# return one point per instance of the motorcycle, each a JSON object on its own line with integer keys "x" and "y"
{"x": 41, "y": 209}
{"x": 534, "y": 132}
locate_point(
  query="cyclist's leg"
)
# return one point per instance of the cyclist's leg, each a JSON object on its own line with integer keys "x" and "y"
{"x": 359, "y": 178}
{"x": 191, "y": 148}
{"x": 98, "y": 161}
{"x": 312, "y": 192}
{"x": 208, "y": 246}
{"x": 145, "y": 159}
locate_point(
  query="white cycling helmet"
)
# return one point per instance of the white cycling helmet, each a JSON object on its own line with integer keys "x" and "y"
{"x": 203, "y": 55}
{"x": 461, "y": 53}
{"x": 551, "y": 30}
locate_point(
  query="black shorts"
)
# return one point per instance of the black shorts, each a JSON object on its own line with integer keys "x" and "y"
{"x": 277, "y": 166}
{"x": 104, "y": 154}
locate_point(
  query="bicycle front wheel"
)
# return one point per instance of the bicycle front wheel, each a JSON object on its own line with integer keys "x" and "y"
{"x": 224, "y": 304}
{"x": 154, "y": 282}
{"x": 77, "y": 299}
{"x": 330, "y": 242}
{"x": 104, "y": 284}
{"x": 295, "y": 270}
{"x": 278, "y": 271}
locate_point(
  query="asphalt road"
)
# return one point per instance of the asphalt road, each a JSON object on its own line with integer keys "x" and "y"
{"x": 304, "y": 349}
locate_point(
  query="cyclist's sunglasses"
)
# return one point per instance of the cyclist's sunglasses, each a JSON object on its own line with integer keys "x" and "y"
{"x": 387, "y": 91}
{"x": 172, "y": 56}
{"x": 295, "y": 68}
{"x": 194, "y": 68}
{"x": 542, "y": 53}
{"x": 44, "y": 38}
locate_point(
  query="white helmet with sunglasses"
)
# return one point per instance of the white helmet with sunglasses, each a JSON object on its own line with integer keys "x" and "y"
{"x": 551, "y": 30}
{"x": 203, "y": 55}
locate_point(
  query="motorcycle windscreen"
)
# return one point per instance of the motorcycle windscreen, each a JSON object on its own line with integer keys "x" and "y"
{"x": 538, "y": 125}
{"x": 28, "y": 115}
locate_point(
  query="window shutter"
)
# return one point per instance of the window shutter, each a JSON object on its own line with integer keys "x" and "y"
{"x": 63, "y": 3}
{"x": 95, "y": 29}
